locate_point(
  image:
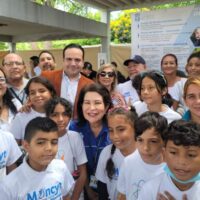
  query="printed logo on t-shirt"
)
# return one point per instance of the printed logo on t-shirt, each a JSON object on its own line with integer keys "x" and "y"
{"x": 3, "y": 156}
{"x": 127, "y": 96}
{"x": 53, "y": 192}
{"x": 136, "y": 189}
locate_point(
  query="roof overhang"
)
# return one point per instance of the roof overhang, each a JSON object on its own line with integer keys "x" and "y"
{"x": 23, "y": 20}
{"x": 114, "y": 5}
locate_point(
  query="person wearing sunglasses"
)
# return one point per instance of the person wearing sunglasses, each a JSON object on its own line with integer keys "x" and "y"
{"x": 107, "y": 76}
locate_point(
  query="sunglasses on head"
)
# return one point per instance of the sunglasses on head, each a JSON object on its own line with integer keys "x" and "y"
{"x": 156, "y": 72}
{"x": 109, "y": 74}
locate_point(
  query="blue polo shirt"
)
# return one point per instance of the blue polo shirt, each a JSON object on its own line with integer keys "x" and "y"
{"x": 93, "y": 145}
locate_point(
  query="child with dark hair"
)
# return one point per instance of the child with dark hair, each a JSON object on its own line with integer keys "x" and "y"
{"x": 181, "y": 179}
{"x": 40, "y": 175}
{"x": 155, "y": 97}
{"x": 39, "y": 90}
{"x": 122, "y": 133}
{"x": 70, "y": 144}
{"x": 147, "y": 161}
{"x": 193, "y": 64}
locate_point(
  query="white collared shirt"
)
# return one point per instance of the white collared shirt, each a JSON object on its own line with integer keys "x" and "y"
{"x": 69, "y": 88}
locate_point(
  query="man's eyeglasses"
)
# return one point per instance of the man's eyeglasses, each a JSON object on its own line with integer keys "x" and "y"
{"x": 107, "y": 74}
{"x": 2, "y": 80}
{"x": 11, "y": 64}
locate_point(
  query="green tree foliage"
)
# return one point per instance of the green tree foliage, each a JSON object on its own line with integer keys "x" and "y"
{"x": 71, "y": 6}
{"x": 3, "y": 46}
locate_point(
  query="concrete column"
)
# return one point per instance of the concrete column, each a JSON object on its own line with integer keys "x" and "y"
{"x": 12, "y": 47}
{"x": 105, "y": 41}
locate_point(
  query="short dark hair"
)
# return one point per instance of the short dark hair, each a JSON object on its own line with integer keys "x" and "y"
{"x": 186, "y": 133}
{"x": 44, "y": 124}
{"x": 43, "y": 81}
{"x": 114, "y": 64}
{"x": 73, "y": 45}
{"x": 193, "y": 55}
{"x": 94, "y": 87}
{"x": 46, "y": 51}
{"x": 35, "y": 60}
{"x": 52, "y": 103}
{"x": 150, "y": 120}
{"x": 160, "y": 82}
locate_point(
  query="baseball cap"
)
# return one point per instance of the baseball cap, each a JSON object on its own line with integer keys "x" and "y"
{"x": 137, "y": 59}
{"x": 87, "y": 65}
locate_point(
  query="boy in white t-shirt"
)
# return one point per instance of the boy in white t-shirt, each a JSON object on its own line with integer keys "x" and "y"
{"x": 147, "y": 161}
{"x": 9, "y": 153}
{"x": 181, "y": 180}
{"x": 40, "y": 176}
{"x": 70, "y": 144}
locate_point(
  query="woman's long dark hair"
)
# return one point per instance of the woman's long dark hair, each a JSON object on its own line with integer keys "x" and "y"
{"x": 94, "y": 87}
{"x": 160, "y": 82}
{"x": 131, "y": 116}
{"x": 7, "y": 99}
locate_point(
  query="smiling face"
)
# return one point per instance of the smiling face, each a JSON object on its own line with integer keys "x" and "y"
{"x": 46, "y": 61}
{"x": 135, "y": 68}
{"x": 150, "y": 146}
{"x": 121, "y": 132}
{"x": 169, "y": 65}
{"x": 3, "y": 86}
{"x": 93, "y": 107}
{"x": 61, "y": 118}
{"x": 13, "y": 67}
{"x": 38, "y": 95}
{"x": 193, "y": 67}
{"x": 149, "y": 92}
{"x": 187, "y": 159}
{"x": 192, "y": 101}
{"x": 73, "y": 62}
{"x": 42, "y": 149}
{"x": 106, "y": 77}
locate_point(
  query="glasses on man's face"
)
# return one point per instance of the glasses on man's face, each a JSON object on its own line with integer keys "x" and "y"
{"x": 2, "y": 80}
{"x": 11, "y": 64}
{"x": 107, "y": 74}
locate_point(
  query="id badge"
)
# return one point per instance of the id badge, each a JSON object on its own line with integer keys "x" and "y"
{"x": 93, "y": 182}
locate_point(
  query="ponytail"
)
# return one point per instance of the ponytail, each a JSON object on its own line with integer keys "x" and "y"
{"x": 110, "y": 167}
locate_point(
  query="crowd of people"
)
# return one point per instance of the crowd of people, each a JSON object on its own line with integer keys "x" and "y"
{"x": 77, "y": 134}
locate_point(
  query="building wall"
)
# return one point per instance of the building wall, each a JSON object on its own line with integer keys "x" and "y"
{"x": 118, "y": 53}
